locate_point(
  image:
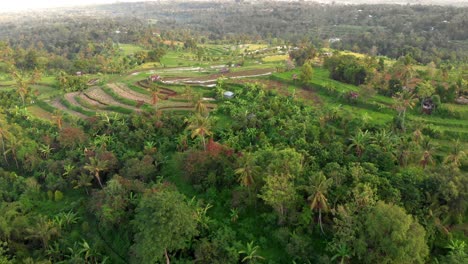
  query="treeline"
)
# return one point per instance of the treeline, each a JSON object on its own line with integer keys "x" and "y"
{"x": 428, "y": 33}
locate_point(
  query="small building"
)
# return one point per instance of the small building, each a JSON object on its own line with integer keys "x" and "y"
{"x": 79, "y": 73}
{"x": 427, "y": 106}
{"x": 228, "y": 95}
{"x": 155, "y": 78}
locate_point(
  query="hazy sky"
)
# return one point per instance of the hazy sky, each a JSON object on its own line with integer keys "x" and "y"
{"x": 15, "y": 5}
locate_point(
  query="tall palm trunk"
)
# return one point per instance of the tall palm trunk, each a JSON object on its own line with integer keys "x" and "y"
{"x": 96, "y": 174}
{"x": 3, "y": 149}
{"x": 168, "y": 261}
{"x": 320, "y": 220}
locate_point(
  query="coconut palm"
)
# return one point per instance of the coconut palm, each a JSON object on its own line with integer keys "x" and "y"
{"x": 3, "y": 136}
{"x": 12, "y": 220}
{"x": 247, "y": 171}
{"x": 403, "y": 101}
{"x": 58, "y": 118}
{"x": 13, "y": 145}
{"x": 428, "y": 150}
{"x": 22, "y": 85}
{"x": 200, "y": 108}
{"x": 83, "y": 181}
{"x": 95, "y": 167}
{"x": 44, "y": 230}
{"x": 403, "y": 151}
{"x": 318, "y": 189}
{"x": 200, "y": 127}
{"x": 456, "y": 155}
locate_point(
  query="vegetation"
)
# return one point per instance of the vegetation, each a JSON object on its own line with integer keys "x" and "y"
{"x": 178, "y": 142}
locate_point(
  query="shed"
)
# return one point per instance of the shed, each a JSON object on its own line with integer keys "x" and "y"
{"x": 228, "y": 95}
{"x": 155, "y": 78}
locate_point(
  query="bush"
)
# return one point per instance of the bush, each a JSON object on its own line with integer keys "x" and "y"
{"x": 58, "y": 195}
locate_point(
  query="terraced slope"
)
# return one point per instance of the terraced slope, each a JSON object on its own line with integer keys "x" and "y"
{"x": 125, "y": 92}
{"x": 101, "y": 97}
{"x": 57, "y": 104}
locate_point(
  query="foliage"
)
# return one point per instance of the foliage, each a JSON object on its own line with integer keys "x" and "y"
{"x": 164, "y": 222}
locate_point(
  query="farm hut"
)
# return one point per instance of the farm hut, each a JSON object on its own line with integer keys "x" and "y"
{"x": 228, "y": 95}
{"x": 427, "y": 106}
{"x": 155, "y": 78}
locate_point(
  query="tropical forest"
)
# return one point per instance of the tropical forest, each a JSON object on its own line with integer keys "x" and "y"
{"x": 234, "y": 132}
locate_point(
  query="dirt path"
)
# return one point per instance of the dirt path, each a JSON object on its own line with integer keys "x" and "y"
{"x": 56, "y": 103}
{"x": 125, "y": 92}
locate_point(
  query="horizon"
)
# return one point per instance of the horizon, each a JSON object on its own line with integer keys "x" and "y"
{"x": 31, "y": 5}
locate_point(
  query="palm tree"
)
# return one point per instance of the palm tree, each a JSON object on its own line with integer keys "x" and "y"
{"x": 13, "y": 145}
{"x": 11, "y": 220}
{"x": 3, "y": 137}
{"x": 58, "y": 118}
{"x": 402, "y": 151}
{"x": 21, "y": 85}
{"x": 418, "y": 135}
{"x": 201, "y": 108}
{"x": 154, "y": 97}
{"x": 427, "y": 151}
{"x": 247, "y": 171}
{"x": 250, "y": 252}
{"x": 403, "y": 101}
{"x": 318, "y": 189}
{"x": 456, "y": 155}
{"x": 83, "y": 181}
{"x": 200, "y": 127}
{"x": 62, "y": 78}
{"x": 359, "y": 142}
{"x": 95, "y": 166}
{"x": 44, "y": 230}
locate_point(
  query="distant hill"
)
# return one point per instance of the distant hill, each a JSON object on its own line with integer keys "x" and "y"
{"x": 402, "y": 2}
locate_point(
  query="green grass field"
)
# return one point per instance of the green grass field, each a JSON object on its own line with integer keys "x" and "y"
{"x": 129, "y": 49}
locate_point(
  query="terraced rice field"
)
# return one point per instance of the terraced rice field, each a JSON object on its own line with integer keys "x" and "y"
{"x": 98, "y": 95}
{"x": 57, "y": 104}
{"x": 118, "y": 97}
{"x": 125, "y": 92}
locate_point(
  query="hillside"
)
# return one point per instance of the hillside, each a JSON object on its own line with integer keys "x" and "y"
{"x": 125, "y": 141}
